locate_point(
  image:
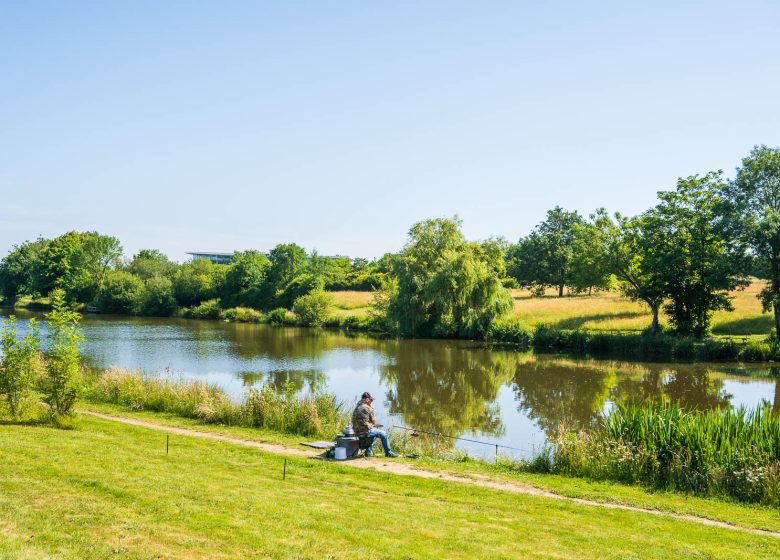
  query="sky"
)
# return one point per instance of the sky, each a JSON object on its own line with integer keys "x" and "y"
{"x": 222, "y": 126}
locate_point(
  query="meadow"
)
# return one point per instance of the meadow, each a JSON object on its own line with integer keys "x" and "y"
{"x": 601, "y": 311}
{"x": 109, "y": 490}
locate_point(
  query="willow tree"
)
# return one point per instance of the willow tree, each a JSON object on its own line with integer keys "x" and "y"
{"x": 445, "y": 286}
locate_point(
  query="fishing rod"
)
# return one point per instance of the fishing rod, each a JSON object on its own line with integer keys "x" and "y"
{"x": 416, "y": 432}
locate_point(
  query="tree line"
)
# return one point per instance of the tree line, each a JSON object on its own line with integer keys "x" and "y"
{"x": 683, "y": 256}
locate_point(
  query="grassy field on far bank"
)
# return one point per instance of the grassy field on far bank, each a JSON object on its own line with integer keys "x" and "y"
{"x": 602, "y": 311}
{"x": 109, "y": 490}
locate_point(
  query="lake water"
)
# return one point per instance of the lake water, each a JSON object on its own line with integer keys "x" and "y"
{"x": 457, "y": 388}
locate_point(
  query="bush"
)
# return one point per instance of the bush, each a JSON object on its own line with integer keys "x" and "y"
{"x": 157, "y": 297}
{"x": 243, "y": 315}
{"x": 122, "y": 293}
{"x": 313, "y": 309}
{"x": 510, "y": 331}
{"x": 19, "y": 364}
{"x": 278, "y": 316}
{"x": 62, "y": 383}
{"x": 209, "y": 309}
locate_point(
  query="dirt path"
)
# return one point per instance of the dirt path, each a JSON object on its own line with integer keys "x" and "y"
{"x": 406, "y": 469}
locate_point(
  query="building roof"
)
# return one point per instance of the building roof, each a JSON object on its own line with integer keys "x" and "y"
{"x": 210, "y": 253}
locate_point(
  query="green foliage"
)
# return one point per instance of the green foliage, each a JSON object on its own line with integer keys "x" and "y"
{"x": 546, "y": 256}
{"x": 62, "y": 383}
{"x": 511, "y": 331}
{"x": 20, "y": 268}
{"x": 157, "y": 297}
{"x": 278, "y": 316}
{"x": 208, "y": 309}
{"x": 19, "y": 364}
{"x": 722, "y": 451}
{"x": 755, "y": 203}
{"x": 314, "y": 308}
{"x": 198, "y": 281}
{"x": 149, "y": 263}
{"x": 122, "y": 293}
{"x": 299, "y": 286}
{"x": 245, "y": 279}
{"x": 689, "y": 252}
{"x": 243, "y": 315}
{"x": 444, "y": 285}
{"x": 278, "y": 409}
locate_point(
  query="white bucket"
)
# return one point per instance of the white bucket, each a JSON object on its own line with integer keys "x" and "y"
{"x": 340, "y": 453}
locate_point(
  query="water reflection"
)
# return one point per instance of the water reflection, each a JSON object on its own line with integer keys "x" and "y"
{"x": 446, "y": 387}
{"x": 452, "y": 387}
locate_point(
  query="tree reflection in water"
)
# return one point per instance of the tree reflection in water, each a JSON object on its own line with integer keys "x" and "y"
{"x": 447, "y": 387}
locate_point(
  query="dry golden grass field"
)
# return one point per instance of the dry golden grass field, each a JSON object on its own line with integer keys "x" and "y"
{"x": 603, "y": 311}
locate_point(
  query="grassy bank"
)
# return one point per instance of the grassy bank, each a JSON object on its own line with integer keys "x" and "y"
{"x": 728, "y": 452}
{"x": 217, "y": 500}
{"x": 272, "y": 408}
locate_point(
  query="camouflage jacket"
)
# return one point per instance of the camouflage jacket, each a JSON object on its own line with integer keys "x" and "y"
{"x": 363, "y": 418}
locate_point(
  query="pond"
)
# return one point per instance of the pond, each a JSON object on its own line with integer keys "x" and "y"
{"x": 459, "y": 388}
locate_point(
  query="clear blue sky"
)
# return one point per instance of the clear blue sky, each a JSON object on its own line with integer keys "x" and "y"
{"x": 336, "y": 125}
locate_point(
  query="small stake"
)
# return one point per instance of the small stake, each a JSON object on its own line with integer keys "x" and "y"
{"x": 496, "y": 451}
{"x": 167, "y": 439}
{"x": 284, "y": 471}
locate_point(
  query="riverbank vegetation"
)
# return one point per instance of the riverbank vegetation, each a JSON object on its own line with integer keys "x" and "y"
{"x": 278, "y": 409}
{"x": 679, "y": 270}
{"x": 728, "y": 452}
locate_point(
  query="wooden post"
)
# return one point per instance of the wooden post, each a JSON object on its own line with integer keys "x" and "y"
{"x": 284, "y": 471}
{"x": 167, "y": 439}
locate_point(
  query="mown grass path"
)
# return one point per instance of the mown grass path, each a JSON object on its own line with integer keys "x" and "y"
{"x": 405, "y": 469}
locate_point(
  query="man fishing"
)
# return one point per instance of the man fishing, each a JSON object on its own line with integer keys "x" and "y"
{"x": 364, "y": 424}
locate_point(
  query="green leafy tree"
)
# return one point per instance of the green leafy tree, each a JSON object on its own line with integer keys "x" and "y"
{"x": 122, "y": 293}
{"x": 689, "y": 253}
{"x": 62, "y": 383}
{"x": 588, "y": 268}
{"x": 445, "y": 286}
{"x": 245, "y": 279}
{"x": 314, "y": 308}
{"x": 157, "y": 297}
{"x": 755, "y": 195}
{"x": 545, "y": 257}
{"x": 18, "y": 364}
{"x": 149, "y": 263}
{"x": 625, "y": 253}
{"x": 20, "y": 268}
{"x": 198, "y": 281}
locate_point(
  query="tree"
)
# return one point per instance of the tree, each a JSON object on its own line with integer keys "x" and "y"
{"x": 244, "y": 279}
{"x": 689, "y": 254}
{"x": 445, "y": 286}
{"x": 151, "y": 262}
{"x": 157, "y": 297}
{"x": 122, "y": 293}
{"x": 755, "y": 195}
{"x": 18, "y": 364}
{"x": 588, "y": 268}
{"x": 18, "y": 270}
{"x": 625, "y": 254}
{"x": 198, "y": 281}
{"x": 62, "y": 383}
{"x": 545, "y": 257}
{"x": 314, "y": 308}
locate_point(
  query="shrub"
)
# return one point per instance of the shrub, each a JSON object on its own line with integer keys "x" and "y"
{"x": 243, "y": 315}
{"x": 157, "y": 297}
{"x": 61, "y": 385}
{"x": 121, "y": 293}
{"x": 510, "y": 331}
{"x": 314, "y": 308}
{"x": 278, "y": 316}
{"x": 19, "y": 364}
{"x": 207, "y": 310}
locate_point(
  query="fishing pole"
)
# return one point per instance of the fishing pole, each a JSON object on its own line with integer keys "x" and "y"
{"x": 496, "y": 445}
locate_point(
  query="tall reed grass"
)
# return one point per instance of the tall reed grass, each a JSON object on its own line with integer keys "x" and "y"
{"x": 733, "y": 452}
{"x": 273, "y": 408}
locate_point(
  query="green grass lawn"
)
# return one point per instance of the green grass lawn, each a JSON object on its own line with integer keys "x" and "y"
{"x": 110, "y": 490}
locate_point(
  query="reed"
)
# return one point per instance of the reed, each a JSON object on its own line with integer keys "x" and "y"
{"x": 279, "y": 409}
{"x": 733, "y": 452}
